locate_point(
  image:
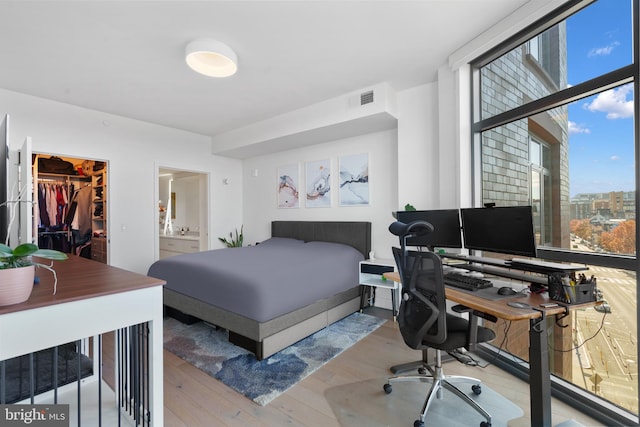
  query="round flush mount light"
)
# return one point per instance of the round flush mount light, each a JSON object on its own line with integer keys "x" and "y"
{"x": 211, "y": 58}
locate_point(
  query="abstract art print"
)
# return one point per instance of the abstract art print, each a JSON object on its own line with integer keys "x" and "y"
{"x": 288, "y": 187}
{"x": 318, "y": 183}
{"x": 354, "y": 180}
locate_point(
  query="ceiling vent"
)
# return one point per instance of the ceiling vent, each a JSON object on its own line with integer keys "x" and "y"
{"x": 366, "y": 98}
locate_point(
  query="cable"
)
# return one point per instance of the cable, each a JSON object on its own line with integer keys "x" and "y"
{"x": 583, "y": 342}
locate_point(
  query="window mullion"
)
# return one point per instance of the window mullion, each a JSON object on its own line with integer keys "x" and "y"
{"x": 599, "y": 84}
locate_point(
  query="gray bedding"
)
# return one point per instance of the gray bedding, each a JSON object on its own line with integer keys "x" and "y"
{"x": 265, "y": 281}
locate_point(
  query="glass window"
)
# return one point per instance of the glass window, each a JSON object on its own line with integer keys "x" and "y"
{"x": 556, "y": 129}
{"x": 592, "y": 42}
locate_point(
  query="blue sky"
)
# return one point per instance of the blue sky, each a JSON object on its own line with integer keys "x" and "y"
{"x": 601, "y": 152}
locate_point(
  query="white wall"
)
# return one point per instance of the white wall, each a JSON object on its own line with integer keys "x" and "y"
{"x": 260, "y": 193}
{"x": 134, "y": 151}
{"x": 404, "y": 168}
{"x": 418, "y": 149}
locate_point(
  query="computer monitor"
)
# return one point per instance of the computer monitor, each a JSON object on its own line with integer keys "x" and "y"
{"x": 446, "y": 228}
{"x": 505, "y": 230}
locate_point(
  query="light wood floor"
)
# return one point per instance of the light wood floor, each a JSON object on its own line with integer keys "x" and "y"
{"x": 192, "y": 398}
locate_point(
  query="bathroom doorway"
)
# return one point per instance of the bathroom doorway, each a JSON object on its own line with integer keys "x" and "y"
{"x": 183, "y": 212}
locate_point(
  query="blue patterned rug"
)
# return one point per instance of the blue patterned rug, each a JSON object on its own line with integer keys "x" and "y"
{"x": 262, "y": 381}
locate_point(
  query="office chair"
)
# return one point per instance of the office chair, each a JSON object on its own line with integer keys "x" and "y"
{"x": 424, "y": 323}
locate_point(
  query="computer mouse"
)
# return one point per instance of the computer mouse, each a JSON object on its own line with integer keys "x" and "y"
{"x": 505, "y": 290}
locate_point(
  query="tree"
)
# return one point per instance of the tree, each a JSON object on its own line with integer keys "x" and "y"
{"x": 622, "y": 239}
{"x": 581, "y": 228}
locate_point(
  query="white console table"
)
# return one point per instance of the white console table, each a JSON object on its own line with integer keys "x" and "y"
{"x": 92, "y": 299}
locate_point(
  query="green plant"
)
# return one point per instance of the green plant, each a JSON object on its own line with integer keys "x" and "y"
{"x": 409, "y": 207}
{"x": 233, "y": 241}
{"x": 21, "y": 255}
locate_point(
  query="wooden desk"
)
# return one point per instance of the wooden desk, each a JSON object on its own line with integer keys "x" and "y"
{"x": 92, "y": 298}
{"x": 539, "y": 374}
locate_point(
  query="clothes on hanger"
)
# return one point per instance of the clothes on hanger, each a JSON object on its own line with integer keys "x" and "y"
{"x": 53, "y": 203}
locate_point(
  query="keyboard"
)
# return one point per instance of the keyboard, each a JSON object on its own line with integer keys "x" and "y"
{"x": 468, "y": 283}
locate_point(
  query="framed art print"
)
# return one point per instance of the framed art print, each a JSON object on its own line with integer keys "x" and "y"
{"x": 354, "y": 180}
{"x": 318, "y": 184}
{"x": 288, "y": 180}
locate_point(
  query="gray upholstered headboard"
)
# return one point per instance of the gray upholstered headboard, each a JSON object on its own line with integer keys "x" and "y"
{"x": 352, "y": 233}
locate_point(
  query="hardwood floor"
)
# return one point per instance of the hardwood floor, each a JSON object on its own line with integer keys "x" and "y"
{"x": 192, "y": 398}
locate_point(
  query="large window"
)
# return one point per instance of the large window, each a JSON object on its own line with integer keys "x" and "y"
{"x": 556, "y": 127}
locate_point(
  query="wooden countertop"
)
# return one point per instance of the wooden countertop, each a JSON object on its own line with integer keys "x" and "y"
{"x": 80, "y": 278}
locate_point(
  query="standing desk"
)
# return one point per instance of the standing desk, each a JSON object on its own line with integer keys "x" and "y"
{"x": 539, "y": 374}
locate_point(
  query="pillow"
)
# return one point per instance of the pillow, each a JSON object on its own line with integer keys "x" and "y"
{"x": 332, "y": 247}
{"x": 281, "y": 241}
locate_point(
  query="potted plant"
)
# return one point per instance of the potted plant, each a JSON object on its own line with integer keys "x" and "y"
{"x": 233, "y": 242}
{"x": 17, "y": 271}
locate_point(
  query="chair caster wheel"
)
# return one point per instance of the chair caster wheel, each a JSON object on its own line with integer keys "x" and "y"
{"x": 418, "y": 423}
{"x": 485, "y": 424}
{"x": 477, "y": 389}
{"x": 422, "y": 371}
{"x": 387, "y": 388}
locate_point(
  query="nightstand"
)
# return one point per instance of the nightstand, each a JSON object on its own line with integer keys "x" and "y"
{"x": 371, "y": 271}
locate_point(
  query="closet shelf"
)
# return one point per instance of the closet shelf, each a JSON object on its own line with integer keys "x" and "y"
{"x": 67, "y": 176}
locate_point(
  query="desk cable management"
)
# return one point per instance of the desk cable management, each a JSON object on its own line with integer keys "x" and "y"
{"x": 467, "y": 359}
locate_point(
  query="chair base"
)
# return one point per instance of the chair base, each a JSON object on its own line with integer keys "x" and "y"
{"x": 418, "y": 364}
{"x": 440, "y": 381}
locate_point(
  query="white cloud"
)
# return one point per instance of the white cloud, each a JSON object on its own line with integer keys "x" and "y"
{"x": 614, "y": 157}
{"x": 614, "y": 102}
{"x": 602, "y": 51}
{"x": 576, "y": 128}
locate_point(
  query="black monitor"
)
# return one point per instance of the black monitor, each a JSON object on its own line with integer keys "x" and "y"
{"x": 505, "y": 230}
{"x": 446, "y": 228}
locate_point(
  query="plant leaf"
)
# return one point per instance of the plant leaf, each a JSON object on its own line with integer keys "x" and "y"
{"x": 50, "y": 254}
{"x": 5, "y": 250}
{"x": 24, "y": 250}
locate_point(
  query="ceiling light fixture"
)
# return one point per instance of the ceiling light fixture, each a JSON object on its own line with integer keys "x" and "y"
{"x": 211, "y": 58}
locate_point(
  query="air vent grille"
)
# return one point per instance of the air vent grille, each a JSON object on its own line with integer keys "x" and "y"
{"x": 366, "y": 98}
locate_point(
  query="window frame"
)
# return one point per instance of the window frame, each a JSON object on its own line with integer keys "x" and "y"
{"x": 615, "y": 78}
{"x": 626, "y": 74}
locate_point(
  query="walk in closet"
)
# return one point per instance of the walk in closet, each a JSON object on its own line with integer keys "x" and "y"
{"x": 70, "y": 205}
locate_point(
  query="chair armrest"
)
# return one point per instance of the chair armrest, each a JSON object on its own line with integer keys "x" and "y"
{"x": 459, "y": 308}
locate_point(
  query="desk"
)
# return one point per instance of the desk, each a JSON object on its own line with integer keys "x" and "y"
{"x": 539, "y": 375}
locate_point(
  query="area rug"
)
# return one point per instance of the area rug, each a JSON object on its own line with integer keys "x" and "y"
{"x": 365, "y": 403}
{"x": 208, "y": 349}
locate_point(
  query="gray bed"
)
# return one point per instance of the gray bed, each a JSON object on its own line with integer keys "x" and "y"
{"x": 271, "y": 295}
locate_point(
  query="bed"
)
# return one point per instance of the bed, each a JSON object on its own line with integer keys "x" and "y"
{"x": 271, "y": 295}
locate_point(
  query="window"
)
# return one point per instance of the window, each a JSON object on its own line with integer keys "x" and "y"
{"x": 556, "y": 126}
{"x": 540, "y": 190}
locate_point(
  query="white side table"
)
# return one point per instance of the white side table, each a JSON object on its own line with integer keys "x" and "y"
{"x": 371, "y": 271}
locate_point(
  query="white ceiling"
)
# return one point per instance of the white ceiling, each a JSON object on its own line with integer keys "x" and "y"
{"x": 127, "y": 57}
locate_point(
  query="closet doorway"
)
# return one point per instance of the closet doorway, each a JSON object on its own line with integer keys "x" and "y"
{"x": 183, "y": 212}
{"x": 70, "y": 205}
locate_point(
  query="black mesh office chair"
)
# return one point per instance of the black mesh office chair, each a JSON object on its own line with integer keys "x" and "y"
{"x": 424, "y": 323}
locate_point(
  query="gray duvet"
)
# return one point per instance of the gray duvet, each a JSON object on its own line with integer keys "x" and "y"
{"x": 265, "y": 281}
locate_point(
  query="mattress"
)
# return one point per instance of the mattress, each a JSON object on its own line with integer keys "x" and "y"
{"x": 265, "y": 281}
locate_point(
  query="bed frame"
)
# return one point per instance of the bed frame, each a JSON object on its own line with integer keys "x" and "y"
{"x": 267, "y": 338}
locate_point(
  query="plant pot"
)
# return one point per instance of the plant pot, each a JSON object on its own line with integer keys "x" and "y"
{"x": 16, "y": 285}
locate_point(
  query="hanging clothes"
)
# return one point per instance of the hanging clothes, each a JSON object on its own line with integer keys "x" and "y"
{"x": 82, "y": 217}
{"x": 42, "y": 206}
